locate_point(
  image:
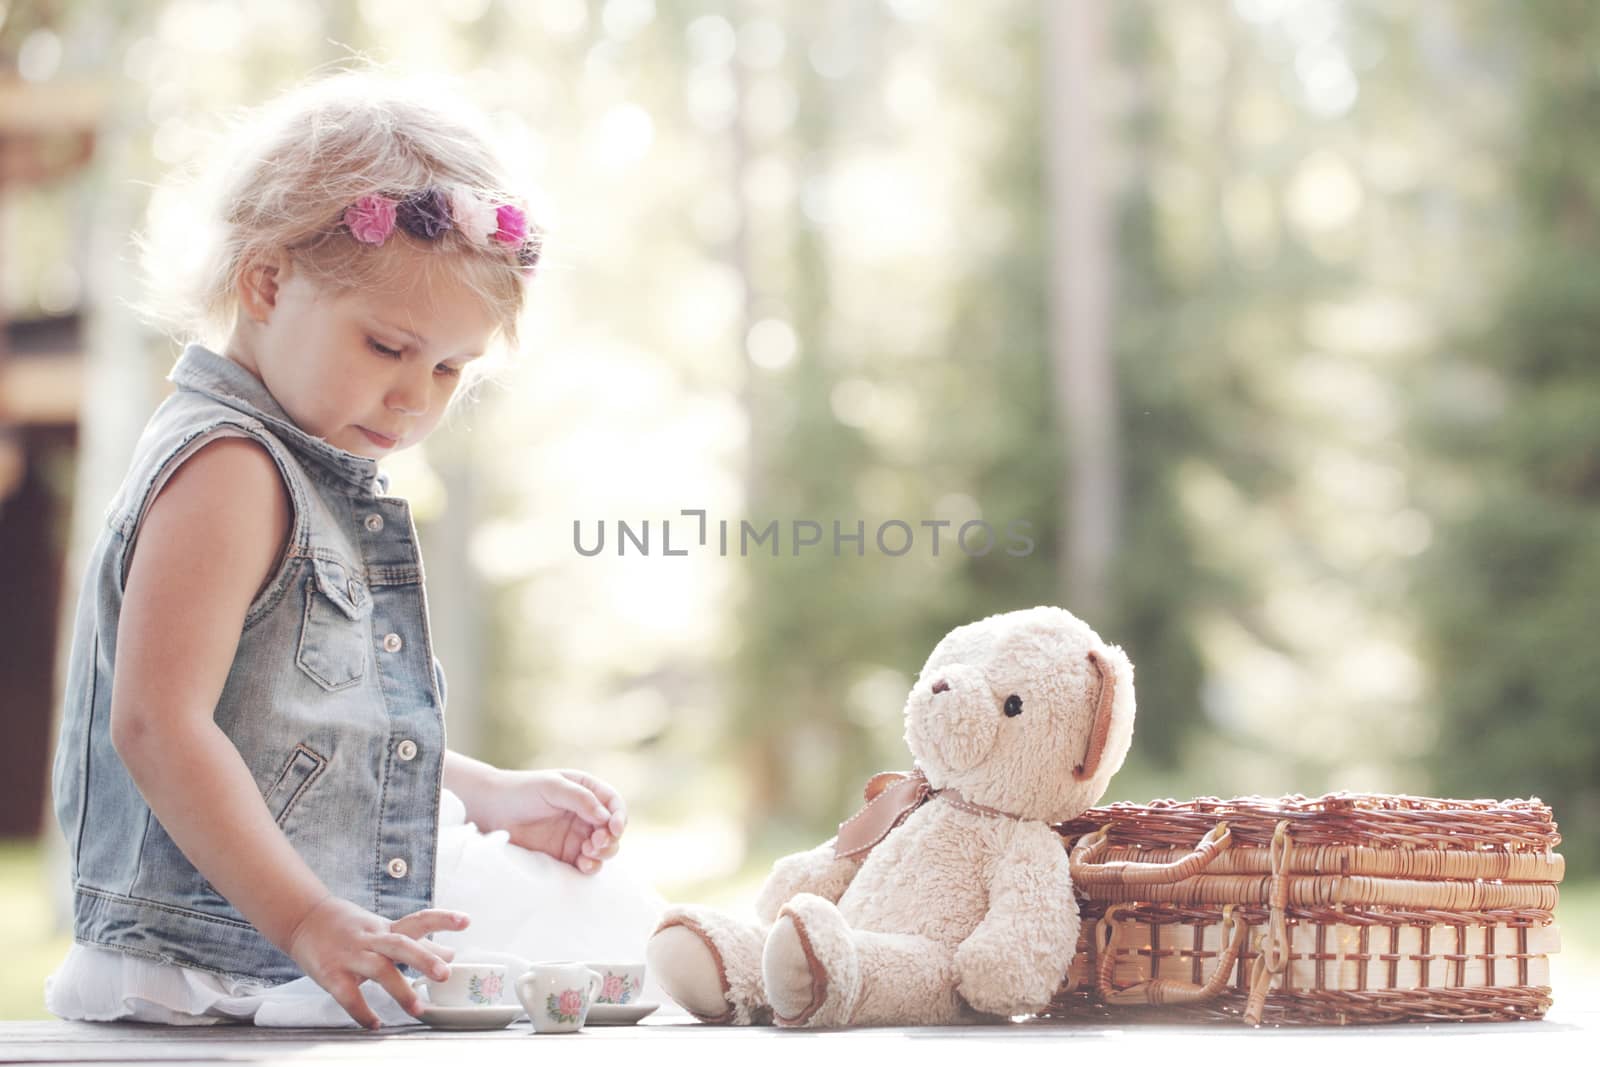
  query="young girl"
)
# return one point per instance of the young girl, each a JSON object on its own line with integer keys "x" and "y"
{"x": 252, "y": 774}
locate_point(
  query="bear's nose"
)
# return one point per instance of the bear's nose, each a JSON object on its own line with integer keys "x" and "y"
{"x": 941, "y": 686}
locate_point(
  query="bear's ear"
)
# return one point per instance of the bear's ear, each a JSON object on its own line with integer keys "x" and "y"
{"x": 1101, "y": 727}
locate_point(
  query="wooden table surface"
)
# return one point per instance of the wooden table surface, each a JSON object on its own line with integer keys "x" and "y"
{"x": 1570, "y": 1035}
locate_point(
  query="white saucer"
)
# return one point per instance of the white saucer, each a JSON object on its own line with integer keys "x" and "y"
{"x": 618, "y": 1014}
{"x": 487, "y": 1017}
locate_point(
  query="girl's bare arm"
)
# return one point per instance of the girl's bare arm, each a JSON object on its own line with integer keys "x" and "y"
{"x": 475, "y": 782}
{"x": 214, "y": 534}
{"x": 208, "y": 541}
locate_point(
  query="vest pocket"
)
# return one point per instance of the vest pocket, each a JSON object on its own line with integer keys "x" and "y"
{"x": 335, "y": 638}
{"x": 302, "y": 769}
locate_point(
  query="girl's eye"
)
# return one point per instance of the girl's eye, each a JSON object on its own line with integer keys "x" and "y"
{"x": 383, "y": 350}
{"x": 445, "y": 370}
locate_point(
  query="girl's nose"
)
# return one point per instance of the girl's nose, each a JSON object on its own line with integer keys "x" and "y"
{"x": 409, "y": 398}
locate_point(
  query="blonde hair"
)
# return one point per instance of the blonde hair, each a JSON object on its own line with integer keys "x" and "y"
{"x": 291, "y": 169}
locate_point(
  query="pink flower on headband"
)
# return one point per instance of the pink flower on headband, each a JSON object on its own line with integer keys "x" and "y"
{"x": 513, "y": 224}
{"x": 370, "y": 219}
{"x": 475, "y": 219}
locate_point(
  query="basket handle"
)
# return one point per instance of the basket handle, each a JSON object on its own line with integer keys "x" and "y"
{"x": 1086, "y": 871}
{"x": 1163, "y": 990}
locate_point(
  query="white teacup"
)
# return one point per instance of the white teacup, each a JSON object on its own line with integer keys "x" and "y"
{"x": 620, "y": 983}
{"x": 470, "y": 985}
{"x": 557, "y": 995}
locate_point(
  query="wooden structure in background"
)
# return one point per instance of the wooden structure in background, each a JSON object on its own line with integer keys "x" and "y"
{"x": 47, "y": 135}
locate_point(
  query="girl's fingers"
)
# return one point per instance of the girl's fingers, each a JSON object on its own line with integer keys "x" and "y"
{"x": 420, "y": 924}
{"x": 601, "y": 845}
{"x": 575, "y": 796}
{"x": 394, "y": 983}
{"x": 347, "y": 993}
{"x": 402, "y": 949}
{"x": 619, "y": 813}
{"x": 611, "y": 811}
{"x": 444, "y": 952}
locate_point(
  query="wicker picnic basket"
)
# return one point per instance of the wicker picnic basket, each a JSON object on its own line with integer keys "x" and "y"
{"x": 1346, "y": 908}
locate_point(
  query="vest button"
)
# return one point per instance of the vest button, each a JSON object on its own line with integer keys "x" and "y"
{"x": 374, "y": 522}
{"x": 406, "y": 750}
{"x": 392, "y": 642}
{"x": 397, "y": 868}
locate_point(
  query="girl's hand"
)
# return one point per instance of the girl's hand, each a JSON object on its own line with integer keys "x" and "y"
{"x": 570, "y": 815}
{"x": 339, "y": 943}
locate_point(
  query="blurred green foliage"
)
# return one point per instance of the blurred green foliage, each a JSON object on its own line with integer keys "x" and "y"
{"x": 1510, "y": 592}
{"x": 34, "y": 942}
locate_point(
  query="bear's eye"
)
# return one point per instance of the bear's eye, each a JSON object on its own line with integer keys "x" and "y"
{"x": 1013, "y": 706}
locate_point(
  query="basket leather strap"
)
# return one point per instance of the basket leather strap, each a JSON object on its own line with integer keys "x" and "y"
{"x": 1272, "y": 948}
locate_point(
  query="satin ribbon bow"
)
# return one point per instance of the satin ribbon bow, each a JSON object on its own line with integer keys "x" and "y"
{"x": 891, "y": 798}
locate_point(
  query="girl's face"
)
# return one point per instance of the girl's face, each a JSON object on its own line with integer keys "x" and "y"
{"x": 368, "y": 372}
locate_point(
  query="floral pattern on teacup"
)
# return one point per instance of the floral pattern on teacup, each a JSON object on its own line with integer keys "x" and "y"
{"x": 566, "y": 1006}
{"x": 616, "y": 989}
{"x": 484, "y": 989}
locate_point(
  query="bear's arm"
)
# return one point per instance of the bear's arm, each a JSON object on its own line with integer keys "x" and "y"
{"x": 816, "y": 872}
{"x": 1016, "y": 959}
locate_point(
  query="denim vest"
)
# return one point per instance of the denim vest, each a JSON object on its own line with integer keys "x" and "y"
{"x": 334, "y": 698}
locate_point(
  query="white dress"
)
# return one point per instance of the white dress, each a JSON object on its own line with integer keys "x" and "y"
{"x": 524, "y": 906}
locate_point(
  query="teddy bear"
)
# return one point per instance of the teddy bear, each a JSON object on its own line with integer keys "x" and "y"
{"x": 947, "y": 898}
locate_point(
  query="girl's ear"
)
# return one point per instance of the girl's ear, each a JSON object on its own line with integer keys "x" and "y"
{"x": 258, "y": 285}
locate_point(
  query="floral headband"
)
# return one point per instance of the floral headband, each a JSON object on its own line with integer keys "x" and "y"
{"x": 429, "y": 212}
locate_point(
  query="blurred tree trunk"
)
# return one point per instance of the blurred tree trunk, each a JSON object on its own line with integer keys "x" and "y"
{"x": 1080, "y": 282}
{"x": 456, "y": 604}
{"x": 759, "y": 751}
